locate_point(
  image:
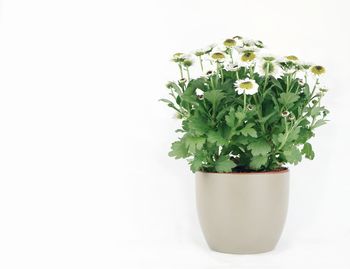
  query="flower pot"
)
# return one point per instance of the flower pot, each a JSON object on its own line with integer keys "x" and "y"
{"x": 242, "y": 213}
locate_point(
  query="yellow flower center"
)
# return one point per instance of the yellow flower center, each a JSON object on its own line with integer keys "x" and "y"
{"x": 229, "y": 43}
{"x": 318, "y": 70}
{"x": 292, "y": 58}
{"x": 218, "y": 56}
{"x": 247, "y": 85}
{"x": 248, "y": 56}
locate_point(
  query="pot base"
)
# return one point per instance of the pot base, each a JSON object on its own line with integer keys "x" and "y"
{"x": 242, "y": 213}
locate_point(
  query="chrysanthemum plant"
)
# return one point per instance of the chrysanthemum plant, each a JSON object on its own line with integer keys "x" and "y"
{"x": 248, "y": 110}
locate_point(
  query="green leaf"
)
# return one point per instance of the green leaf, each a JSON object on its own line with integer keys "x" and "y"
{"x": 308, "y": 152}
{"x": 276, "y": 83}
{"x": 277, "y": 138}
{"x": 231, "y": 119}
{"x": 294, "y": 134}
{"x": 266, "y": 118}
{"x": 166, "y": 101}
{"x": 315, "y": 111}
{"x": 174, "y": 86}
{"x": 196, "y": 164}
{"x": 179, "y": 131}
{"x": 190, "y": 99}
{"x": 227, "y": 86}
{"x": 293, "y": 155}
{"x": 304, "y": 135}
{"x": 196, "y": 84}
{"x": 224, "y": 164}
{"x": 288, "y": 98}
{"x": 319, "y": 123}
{"x": 258, "y": 161}
{"x": 222, "y": 113}
{"x": 198, "y": 124}
{"x": 170, "y": 104}
{"x": 248, "y": 130}
{"x": 259, "y": 147}
{"x": 240, "y": 115}
{"x": 179, "y": 150}
{"x": 214, "y": 96}
{"x": 306, "y": 90}
{"x": 194, "y": 143}
{"x": 216, "y": 138}
{"x": 241, "y": 140}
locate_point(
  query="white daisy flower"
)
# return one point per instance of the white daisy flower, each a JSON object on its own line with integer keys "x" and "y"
{"x": 199, "y": 52}
{"x": 251, "y": 45}
{"x": 259, "y": 44}
{"x": 178, "y": 57}
{"x": 237, "y": 37}
{"x": 206, "y": 49}
{"x": 219, "y": 48}
{"x": 187, "y": 60}
{"x": 305, "y": 65}
{"x": 199, "y": 92}
{"x": 209, "y": 73}
{"x": 289, "y": 71}
{"x": 249, "y": 42}
{"x": 218, "y": 56}
{"x": 247, "y": 86}
{"x": 247, "y": 58}
{"x": 229, "y": 43}
{"x": 243, "y": 49}
{"x": 317, "y": 70}
{"x": 238, "y": 40}
{"x": 273, "y": 69}
{"x": 231, "y": 66}
{"x": 290, "y": 58}
{"x": 269, "y": 57}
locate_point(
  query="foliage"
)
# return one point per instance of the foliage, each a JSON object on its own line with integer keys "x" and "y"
{"x": 249, "y": 111}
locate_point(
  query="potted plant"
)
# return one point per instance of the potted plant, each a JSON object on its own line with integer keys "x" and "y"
{"x": 244, "y": 117}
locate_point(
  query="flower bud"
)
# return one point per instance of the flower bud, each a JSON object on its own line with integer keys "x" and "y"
{"x": 188, "y": 62}
{"x": 182, "y": 81}
{"x": 250, "y": 107}
{"x": 285, "y": 114}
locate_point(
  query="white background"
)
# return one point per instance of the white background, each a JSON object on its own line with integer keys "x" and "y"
{"x": 85, "y": 181}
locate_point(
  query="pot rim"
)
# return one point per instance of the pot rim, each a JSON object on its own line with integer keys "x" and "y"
{"x": 281, "y": 171}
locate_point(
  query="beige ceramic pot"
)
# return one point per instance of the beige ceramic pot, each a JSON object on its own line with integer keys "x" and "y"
{"x": 242, "y": 213}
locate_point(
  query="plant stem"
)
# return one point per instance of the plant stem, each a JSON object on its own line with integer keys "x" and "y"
{"x": 231, "y": 56}
{"x": 244, "y": 100}
{"x": 181, "y": 72}
{"x": 212, "y": 82}
{"x": 188, "y": 74}
{"x": 259, "y": 112}
{"x": 201, "y": 63}
{"x": 266, "y": 77}
{"x": 287, "y": 90}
